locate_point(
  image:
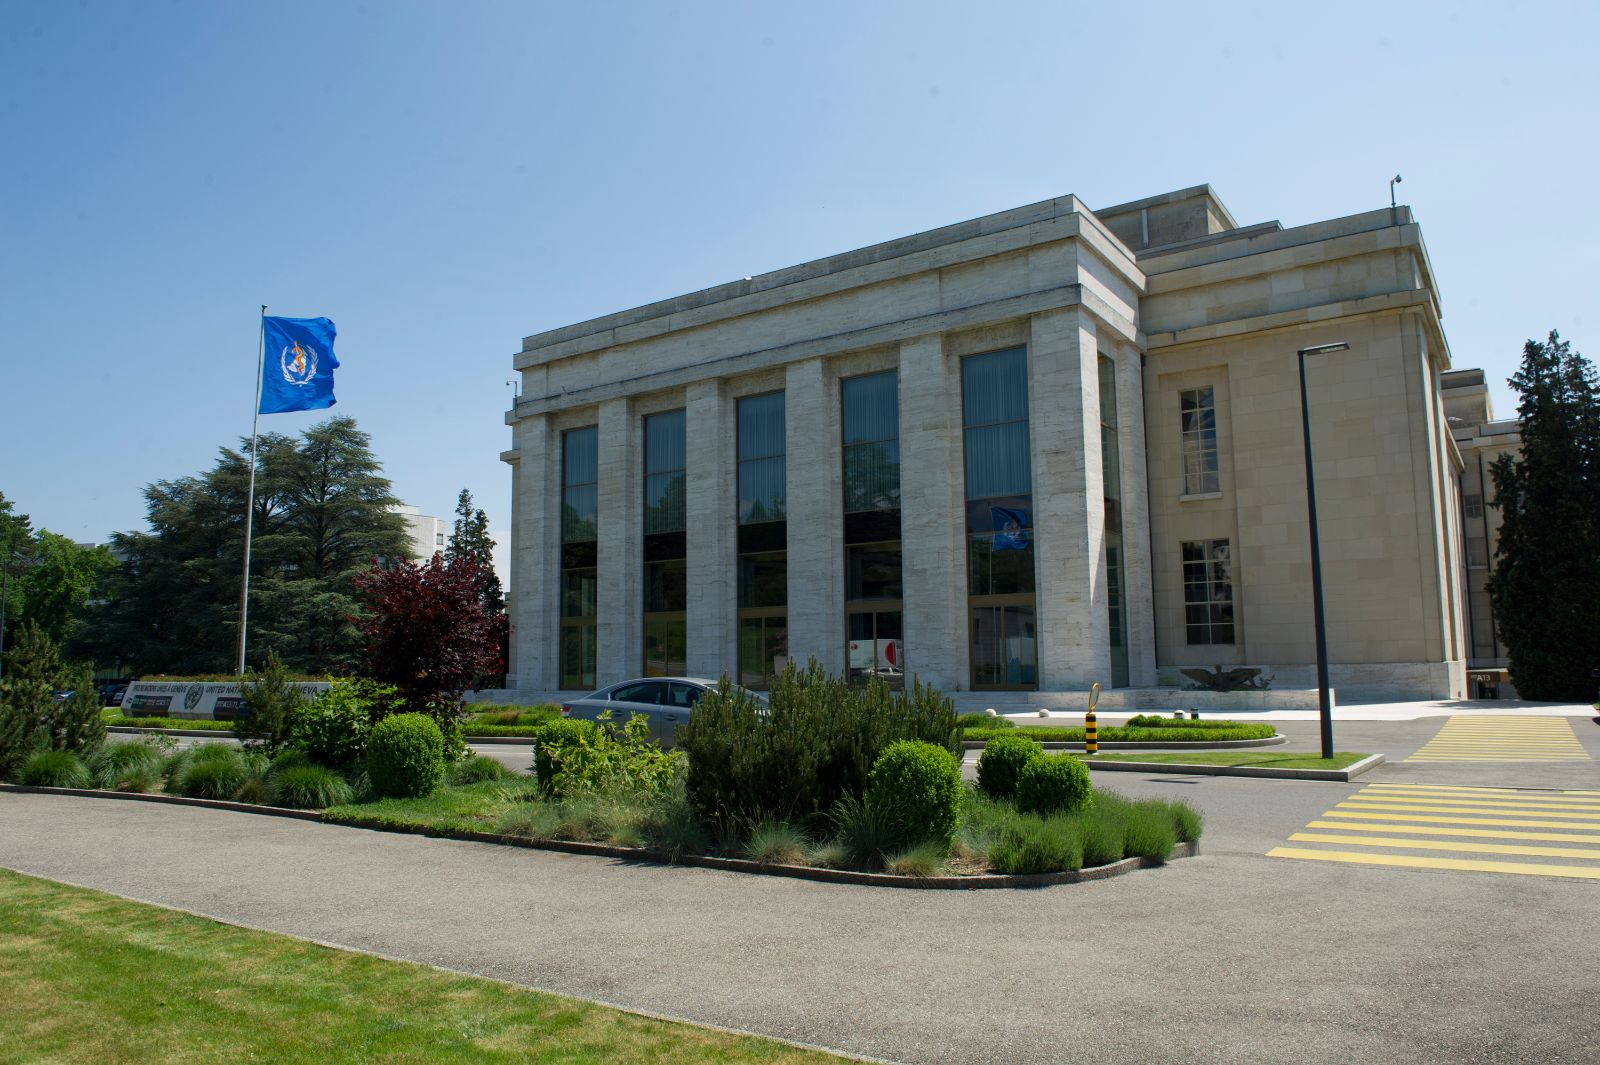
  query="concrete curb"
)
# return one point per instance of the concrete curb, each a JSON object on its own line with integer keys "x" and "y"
{"x": 1192, "y": 769}
{"x": 1122, "y": 745}
{"x": 797, "y": 872}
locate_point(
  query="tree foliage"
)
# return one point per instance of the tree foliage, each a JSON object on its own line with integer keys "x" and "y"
{"x": 428, "y": 633}
{"x": 31, "y": 717}
{"x": 322, "y": 512}
{"x": 470, "y": 540}
{"x": 1545, "y": 587}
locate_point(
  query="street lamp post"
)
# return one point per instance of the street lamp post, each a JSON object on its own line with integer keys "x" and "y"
{"x": 1325, "y": 710}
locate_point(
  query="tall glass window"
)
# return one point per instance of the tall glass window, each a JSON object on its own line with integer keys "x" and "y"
{"x": 763, "y": 542}
{"x": 1111, "y": 469}
{"x": 874, "y": 611}
{"x": 666, "y": 635}
{"x": 1197, "y": 408}
{"x": 1208, "y": 591}
{"x": 580, "y": 479}
{"x": 999, "y": 517}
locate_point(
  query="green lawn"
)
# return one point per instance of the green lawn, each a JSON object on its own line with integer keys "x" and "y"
{"x": 111, "y": 716}
{"x": 1282, "y": 760}
{"x": 1199, "y": 732}
{"x": 93, "y": 978}
{"x": 473, "y": 808}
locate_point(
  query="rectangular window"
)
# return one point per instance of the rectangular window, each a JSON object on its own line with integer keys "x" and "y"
{"x": 1111, "y": 471}
{"x": 1472, "y": 505}
{"x": 762, "y": 541}
{"x": 580, "y": 477}
{"x": 666, "y": 626}
{"x": 1208, "y": 591}
{"x": 999, "y": 520}
{"x": 1198, "y": 409}
{"x": 874, "y": 640}
{"x": 761, "y": 459}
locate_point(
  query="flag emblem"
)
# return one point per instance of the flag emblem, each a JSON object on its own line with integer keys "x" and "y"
{"x": 299, "y": 363}
{"x": 304, "y": 354}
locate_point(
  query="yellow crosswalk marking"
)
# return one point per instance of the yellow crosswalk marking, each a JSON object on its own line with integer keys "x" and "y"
{"x": 1360, "y": 803}
{"x": 1466, "y": 803}
{"x": 1421, "y": 862}
{"x": 1479, "y": 790}
{"x": 1485, "y": 833}
{"x": 1503, "y": 739}
{"x": 1363, "y": 815}
{"x": 1589, "y": 853}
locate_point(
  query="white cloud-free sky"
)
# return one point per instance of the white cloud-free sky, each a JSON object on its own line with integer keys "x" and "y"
{"x": 444, "y": 179}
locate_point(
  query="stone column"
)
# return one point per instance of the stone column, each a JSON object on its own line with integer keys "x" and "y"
{"x": 932, "y": 515}
{"x": 1068, "y": 502}
{"x": 535, "y": 556}
{"x": 813, "y": 469}
{"x": 619, "y": 605}
{"x": 1137, "y": 564}
{"x": 711, "y": 543}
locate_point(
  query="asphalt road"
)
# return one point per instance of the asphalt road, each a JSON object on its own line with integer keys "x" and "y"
{"x": 1229, "y": 957}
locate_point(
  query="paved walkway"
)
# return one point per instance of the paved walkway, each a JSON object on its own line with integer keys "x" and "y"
{"x": 1228, "y": 957}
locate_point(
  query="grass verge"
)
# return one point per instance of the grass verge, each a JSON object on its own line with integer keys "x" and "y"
{"x": 91, "y": 978}
{"x": 473, "y": 808}
{"x": 1289, "y": 760}
{"x": 112, "y": 717}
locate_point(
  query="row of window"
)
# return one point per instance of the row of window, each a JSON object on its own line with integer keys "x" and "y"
{"x": 999, "y": 532}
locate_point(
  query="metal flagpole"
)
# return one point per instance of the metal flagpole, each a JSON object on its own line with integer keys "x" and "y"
{"x": 250, "y": 496}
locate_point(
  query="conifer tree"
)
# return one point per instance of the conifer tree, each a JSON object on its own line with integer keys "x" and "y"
{"x": 470, "y": 539}
{"x": 1545, "y": 587}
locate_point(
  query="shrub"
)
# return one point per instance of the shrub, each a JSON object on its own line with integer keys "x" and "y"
{"x": 1038, "y": 845}
{"x": 966, "y": 721}
{"x": 1001, "y": 761}
{"x": 475, "y": 769}
{"x": 76, "y": 724}
{"x": 333, "y": 728}
{"x": 864, "y": 834}
{"x": 116, "y": 763}
{"x": 56, "y": 769}
{"x": 309, "y": 787}
{"x": 674, "y": 828}
{"x": 813, "y": 743}
{"x": 1053, "y": 783}
{"x": 1149, "y": 831}
{"x": 256, "y": 791}
{"x": 1103, "y": 836}
{"x": 1186, "y": 821}
{"x": 212, "y": 773}
{"x": 405, "y": 756}
{"x": 918, "y": 787}
{"x": 775, "y": 843}
{"x": 271, "y": 703}
{"x": 550, "y": 738}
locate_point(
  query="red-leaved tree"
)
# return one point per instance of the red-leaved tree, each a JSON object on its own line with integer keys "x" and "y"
{"x": 428, "y": 633}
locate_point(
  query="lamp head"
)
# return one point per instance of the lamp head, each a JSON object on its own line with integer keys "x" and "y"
{"x": 1325, "y": 349}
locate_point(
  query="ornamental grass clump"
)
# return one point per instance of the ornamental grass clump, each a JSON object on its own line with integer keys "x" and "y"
{"x": 917, "y": 788}
{"x": 212, "y": 771}
{"x": 776, "y": 843}
{"x": 309, "y": 787}
{"x": 1001, "y": 762}
{"x": 405, "y": 756}
{"x": 1053, "y": 783}
{"x": 1038, "y": 845}
{"x": 475, "y": 769}
{"x": 117, "y": 764}
{"x": 56, "y": 769}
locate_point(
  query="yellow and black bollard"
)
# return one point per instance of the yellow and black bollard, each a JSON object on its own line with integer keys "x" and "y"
{"x": 1091, "y": 731}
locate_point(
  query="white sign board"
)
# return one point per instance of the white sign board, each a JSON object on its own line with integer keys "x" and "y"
{"x": 197, "y": 700}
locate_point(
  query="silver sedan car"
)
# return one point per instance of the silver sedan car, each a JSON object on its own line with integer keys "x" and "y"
{"x": 665, "y": 701}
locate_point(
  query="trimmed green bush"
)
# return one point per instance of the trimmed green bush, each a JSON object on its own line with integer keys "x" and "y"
{"x": 56, "y": 769}
{"x": 1038, "y": 845}
{"x": 967, "y": 721}
{"x": 309, "y": 787}
{"x": 812, "y": 743}
{"x": 475, "y": 769}
{"x": 1001, "y": 761}
{"x": 552, "y": 736}
{"x": 1054, "y": 783}
{"x": 917, "y": 786}
{"x": 405, "y": 756}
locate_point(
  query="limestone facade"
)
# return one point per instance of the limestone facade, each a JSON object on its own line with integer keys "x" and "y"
{"x": 1162, "y": 421}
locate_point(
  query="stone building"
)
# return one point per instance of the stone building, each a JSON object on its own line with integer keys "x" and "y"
{"x": 1025, "y": 453}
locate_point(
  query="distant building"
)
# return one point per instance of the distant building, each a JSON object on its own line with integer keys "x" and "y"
{"x": 428, "y": 533}
{"x": 1024, "y": 453}
{"x": 1481, "y": 439}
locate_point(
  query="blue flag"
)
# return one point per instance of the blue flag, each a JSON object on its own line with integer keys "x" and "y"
{"x": 1010, "y": 529}
{"x": 297, "y": 373}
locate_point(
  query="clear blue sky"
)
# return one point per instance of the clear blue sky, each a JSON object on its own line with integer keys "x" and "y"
{"x": 443, "y": 179}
